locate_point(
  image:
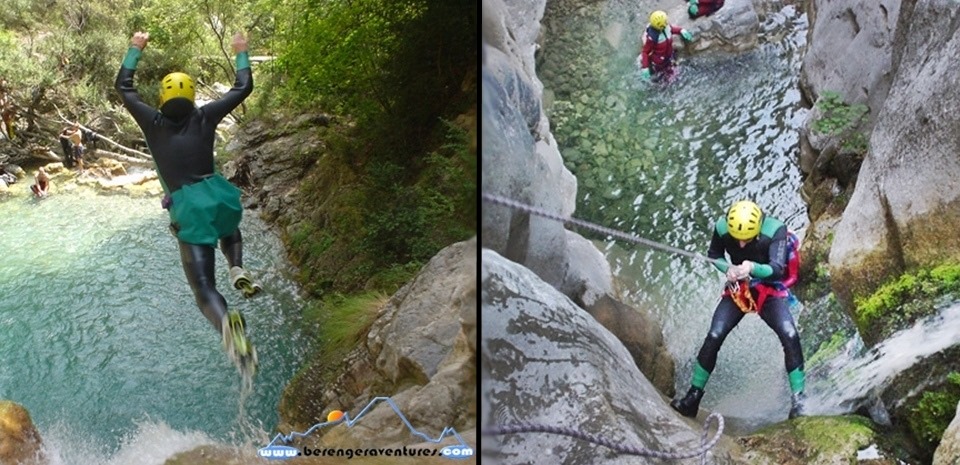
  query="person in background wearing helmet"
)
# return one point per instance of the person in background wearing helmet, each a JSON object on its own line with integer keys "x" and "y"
{"x": 656, "y": 52}
{"x": 204, "y": 207}
{"x": 700, "y": 8}
{"x": 757, "y": 247}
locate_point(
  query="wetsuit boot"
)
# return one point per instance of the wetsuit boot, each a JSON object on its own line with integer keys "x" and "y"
{"x": 797, "y": 408}
{"x": 689, "y": 405}
{"x": 244, "y": 282}
{"x": 236, "y": 344}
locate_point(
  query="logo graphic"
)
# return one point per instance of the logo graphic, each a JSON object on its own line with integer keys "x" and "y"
{"x": 275, "y": 451}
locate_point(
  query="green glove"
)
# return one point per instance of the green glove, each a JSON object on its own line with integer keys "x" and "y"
{"x": 687, "y": 35}
{"x": 693, "y": 9}
{"x": 645, "y": 74}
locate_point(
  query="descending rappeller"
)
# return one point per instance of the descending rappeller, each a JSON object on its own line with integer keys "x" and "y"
{"x": 204, "y": 207}
{"x": 656, "y": 52}
{"x": 763, "y": 264}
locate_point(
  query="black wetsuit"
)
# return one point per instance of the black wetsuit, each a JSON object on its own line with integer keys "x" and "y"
{"x": 182, "y": 150}
{"x": 770, "y": 253}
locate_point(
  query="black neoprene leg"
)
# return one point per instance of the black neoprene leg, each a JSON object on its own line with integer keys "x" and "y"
{"x": 726, "y": 317}
{"x": 776, "y": 314}
{"x": 198, "y": 264}
{"x": 232, "y": 248}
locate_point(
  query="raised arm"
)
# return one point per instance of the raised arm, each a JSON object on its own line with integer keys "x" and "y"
{"x": 242, "y": 86}
{"x": 141, "y": 112}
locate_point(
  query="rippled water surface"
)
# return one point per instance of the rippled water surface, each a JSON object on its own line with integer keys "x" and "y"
{"x": 104, "y": 344}
{"x": 665, "y": 162}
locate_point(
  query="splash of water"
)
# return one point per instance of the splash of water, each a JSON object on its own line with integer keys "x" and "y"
{"x": 856, "y": 375}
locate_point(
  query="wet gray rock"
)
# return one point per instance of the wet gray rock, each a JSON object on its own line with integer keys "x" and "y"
{"x": 948, "y": 453}
{"x": 513, "y": 169}
{"x": 735, "y": 28}
{"x": 520, "y": 157}
{"x": 420, "y": 351}
{"x": 591, "y": 279}
{"x": 850, "y": 52}
{"x": 547, "y": 361}
{"x": 905, "y": 211}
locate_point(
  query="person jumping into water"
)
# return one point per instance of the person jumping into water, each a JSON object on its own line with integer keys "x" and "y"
{"x": 204, "y": 207}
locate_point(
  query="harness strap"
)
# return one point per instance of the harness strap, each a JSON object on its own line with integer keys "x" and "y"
{"x": 740, "y": 293}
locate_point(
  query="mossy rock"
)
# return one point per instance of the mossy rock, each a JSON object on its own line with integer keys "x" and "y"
{"x": 811, "y": 441}
{"x": 853, "y": 283}
{"x": 903, "y": 300}
{"x": 923, "y": 400}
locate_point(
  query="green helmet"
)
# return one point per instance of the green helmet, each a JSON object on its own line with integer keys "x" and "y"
{"x": 743, "y": 220}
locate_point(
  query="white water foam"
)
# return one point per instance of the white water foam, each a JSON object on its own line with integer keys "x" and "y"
{"x": 152, "y": 443}
{"x": 853, "y": 376}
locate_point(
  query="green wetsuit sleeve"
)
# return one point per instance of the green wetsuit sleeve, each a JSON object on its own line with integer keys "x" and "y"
{"x": 716, "y": 250}
{"x": 243, "y": 60}
{"x": 761, "y": 270}
{"x": 721, "y": 265}
{"x": 777, "y": 251}
{"x": 132, "y": 57}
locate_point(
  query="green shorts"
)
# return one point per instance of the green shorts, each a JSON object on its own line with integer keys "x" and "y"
{"x": 204, "y": 212}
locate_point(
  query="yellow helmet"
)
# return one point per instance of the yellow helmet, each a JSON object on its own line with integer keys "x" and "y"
{"x": 176, "y": 85}
{"x": 658, "y": 19}
{"x": 743, "y": 220}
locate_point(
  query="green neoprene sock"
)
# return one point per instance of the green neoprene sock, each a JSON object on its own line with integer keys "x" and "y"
{"x": 796, "y": 380}
{"x": 700, "y": 376}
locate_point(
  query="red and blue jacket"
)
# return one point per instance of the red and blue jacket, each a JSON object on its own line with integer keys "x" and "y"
{"x": 658, "y": 48}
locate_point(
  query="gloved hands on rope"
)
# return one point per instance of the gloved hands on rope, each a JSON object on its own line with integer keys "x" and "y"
{"x": 694, "y": 8}
{"x": 645, "y": 74}
{"x": 687, "y": 35}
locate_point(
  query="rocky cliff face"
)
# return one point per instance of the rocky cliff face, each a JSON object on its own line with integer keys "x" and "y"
{"x": 906, "y": 208}
{"x": 895, "y": 58}
{"x": 521, "y": 162}
{"x": 420, "y": 351}
{"x": 903, "y": 207}
{"x": 548, "y": 362}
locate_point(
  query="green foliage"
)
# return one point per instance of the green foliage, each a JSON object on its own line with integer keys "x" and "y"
{"x": 24, "y": 15}
{"x": 403, "y": 59}
{"x": 908, "y": 296}
{"x": 335, "y": 53}
{"x": 422, "y": 217}
{"x": 343, "y": 320}
{"x": 839, "y": 119}
{"x": 18, "y": 69}
{"x": 934, "y": 412}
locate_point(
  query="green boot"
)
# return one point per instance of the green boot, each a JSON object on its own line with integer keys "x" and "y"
{"x": 236, "y": 344}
